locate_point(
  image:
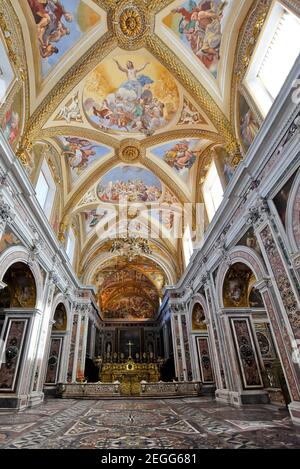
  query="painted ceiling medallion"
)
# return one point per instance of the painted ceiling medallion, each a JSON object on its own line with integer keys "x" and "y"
{"x": 130, "y": 23}
{"x": 130, "y": 151}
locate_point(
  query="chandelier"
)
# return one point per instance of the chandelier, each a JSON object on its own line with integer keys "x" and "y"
{"x": 130, "y": 247}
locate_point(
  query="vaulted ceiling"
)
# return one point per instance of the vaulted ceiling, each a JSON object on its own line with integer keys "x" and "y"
{"x": 128, "y": 98}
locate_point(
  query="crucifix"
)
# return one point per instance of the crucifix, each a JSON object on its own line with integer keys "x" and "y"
{"x": 130, "y": 344}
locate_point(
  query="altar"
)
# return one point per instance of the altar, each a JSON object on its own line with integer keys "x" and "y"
{"x": 129, "y": 374}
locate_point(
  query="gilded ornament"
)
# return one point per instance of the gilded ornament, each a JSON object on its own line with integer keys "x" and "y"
{"x": 131, "y": 23}
{"x": 130, "y": 151}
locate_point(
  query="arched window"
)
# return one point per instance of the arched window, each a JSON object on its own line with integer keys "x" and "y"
{"x": 187, "y": 245}
{"x": 45, "y": 189}
{"x": 70, "y": 245}
{"x": 212, "y": 191}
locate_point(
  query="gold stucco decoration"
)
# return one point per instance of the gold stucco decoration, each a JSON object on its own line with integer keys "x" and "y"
{"x": 131, "y": 23}
{"x": 130, "y": 151}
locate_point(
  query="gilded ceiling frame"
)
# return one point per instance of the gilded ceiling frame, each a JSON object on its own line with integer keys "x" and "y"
{"x": 105, "y": 45}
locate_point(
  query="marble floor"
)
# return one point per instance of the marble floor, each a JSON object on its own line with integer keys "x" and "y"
{"x": 175, "y": 423}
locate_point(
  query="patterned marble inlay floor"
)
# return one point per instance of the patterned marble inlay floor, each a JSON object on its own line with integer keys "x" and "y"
{"x": 179, "y": 423}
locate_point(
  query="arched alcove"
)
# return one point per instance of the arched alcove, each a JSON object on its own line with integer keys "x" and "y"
{"x": 239, "y": 288}
{"x": 60, "y": 318}
{"x": 20, "y": 290}
{"x": 198, "y": 318}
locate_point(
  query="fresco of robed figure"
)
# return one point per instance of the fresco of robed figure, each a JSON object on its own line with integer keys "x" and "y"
{"x": 119, "y": 97}
{"x": 59, "y": 25}
{"x": 199, "y": 26}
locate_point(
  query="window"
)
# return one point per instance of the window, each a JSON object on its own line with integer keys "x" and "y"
{"x": 187, "y": 245}
{"x": 70, "y": 245}
{"x": 42, "y": 190}
{"x": 274, "y": 57}
{"x": 45, "y": 189}
{"x": 212, "y": 191}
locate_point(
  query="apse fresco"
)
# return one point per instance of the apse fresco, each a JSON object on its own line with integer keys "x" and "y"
{"x": 80, "y": 154}
{"x": 248, "y": 123}
{"x": 199, "y": 26}
{"x": 11, "y": 125}
{"x": 128, "y": 294}
{"x": 180, "y": 155}
{"x": 130, "y": 183}
{"x": 60, "y": 24}
{"x": 6, "y": 73}
{"x": 130, "y": 308}
{"x": 130, "y": 93}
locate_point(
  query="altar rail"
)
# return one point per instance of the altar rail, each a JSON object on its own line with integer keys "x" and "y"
{"x": 88, "y": 390}
{"x": 161, "y": 389}
{"x": 114, "y": 390}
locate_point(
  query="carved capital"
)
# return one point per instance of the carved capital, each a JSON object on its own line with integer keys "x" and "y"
{"x": 204, "y": 279}
{"x": 6, "y": 214}
{"x": 259, "y": 213}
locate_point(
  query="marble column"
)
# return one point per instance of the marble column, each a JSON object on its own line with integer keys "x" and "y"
{"x": 281, "y": 298}
{"x": 45, "y": 334}
{"x": 181, "y": 343}
{"x": 73, "y": 352}
{"x": 82, "y": 342}
{"x": 222, "y": 372}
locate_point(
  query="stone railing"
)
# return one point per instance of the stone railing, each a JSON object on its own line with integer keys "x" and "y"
{"x": 183, "y": 388}
{"x": 88, "y": 390}
{"x": 111, "y": 390}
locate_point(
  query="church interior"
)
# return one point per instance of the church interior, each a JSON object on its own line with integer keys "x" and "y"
{"x": 149, "y": 224}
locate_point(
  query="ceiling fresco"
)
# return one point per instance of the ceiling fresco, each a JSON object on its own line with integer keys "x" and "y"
{"x": 127, "y": 101}
{"x": 131, "y": 184}
{"x": 59, "y": 25}
{"x": 199, "y": 27}
{"x": 180, "y": 155}
{"x": 6, "y": 72}
{"x": 129, "y": 292}
{"x": 80, "y": 154}
{"x": 93, "y": 217}
{"x": 11, "y": 124}
{"x": 130, "y": 93}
